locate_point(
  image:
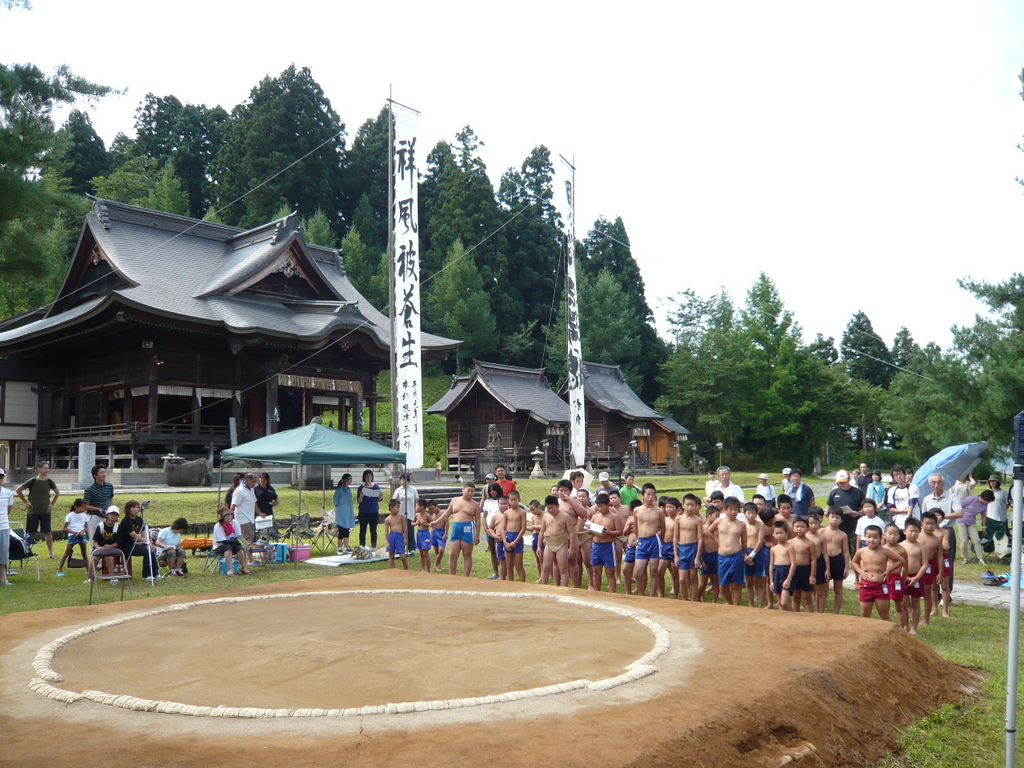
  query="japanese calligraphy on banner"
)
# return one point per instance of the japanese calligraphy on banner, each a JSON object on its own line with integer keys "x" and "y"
{"x": 406, "y": 299}
{"x": 577, "y": 410}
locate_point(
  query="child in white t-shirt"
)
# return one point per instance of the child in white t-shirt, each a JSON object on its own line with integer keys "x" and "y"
{"x": 76, "y": 525}
{"x": 869, "y": 516}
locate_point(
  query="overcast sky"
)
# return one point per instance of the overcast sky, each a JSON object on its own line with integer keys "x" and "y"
{"x": 862, "y": 154}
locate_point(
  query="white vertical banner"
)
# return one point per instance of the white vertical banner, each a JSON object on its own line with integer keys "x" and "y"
{"x": 577, "y": 405}
{"x": 408, "y": 371}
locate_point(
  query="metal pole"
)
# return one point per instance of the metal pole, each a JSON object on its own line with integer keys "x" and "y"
{"x": 1013, "y": 651}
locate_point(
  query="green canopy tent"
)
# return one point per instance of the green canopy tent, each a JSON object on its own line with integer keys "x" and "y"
{"x": 314, "y": 444}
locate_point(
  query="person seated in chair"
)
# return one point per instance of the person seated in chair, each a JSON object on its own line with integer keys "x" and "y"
{"x": 226, "y": 535}
{"x": 132, "y": 541}
{"x": 104, "y": 542}
{"x": 168, "y": 542}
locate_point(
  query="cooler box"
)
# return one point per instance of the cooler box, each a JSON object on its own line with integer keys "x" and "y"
{"x": 224, "y": 565}
{"x": 282, "y": 552}
{"x": 301, "y": 552}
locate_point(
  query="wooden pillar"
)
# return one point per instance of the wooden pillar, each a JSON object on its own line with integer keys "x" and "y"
{"x": 357, "y": 421}
{"x": 197, "y": 410}
{"x": 271, "y": 404}
{"x": 373, "y": 416}
{"x": 151, "y": 416}
{"x": 343, "y": 409}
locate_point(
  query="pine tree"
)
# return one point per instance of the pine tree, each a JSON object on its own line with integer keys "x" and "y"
{"x": 78, "y": 153}
{"x": 457, "y": 303}
{"x": 865, "y": 354}
{"x": 285, "y": 120}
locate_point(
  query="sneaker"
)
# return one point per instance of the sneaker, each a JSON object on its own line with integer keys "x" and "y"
{"x": 12, "y": 572}
{"x": 113, "y": 582}
{"x": 493, "y": 576}
{"x": 87, "y": 581}
{"x": 6, "y": 583}
{"x": 61, "y": 573}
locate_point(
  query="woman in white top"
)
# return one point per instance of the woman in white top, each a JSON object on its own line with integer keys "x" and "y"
{"x": 225, "y": 537}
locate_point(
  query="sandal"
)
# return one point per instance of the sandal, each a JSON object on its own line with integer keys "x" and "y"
{"x": 247, "y": 573}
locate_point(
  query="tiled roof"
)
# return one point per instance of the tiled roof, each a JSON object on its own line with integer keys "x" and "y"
{"x": 193, "y": 270}
{"x": 672, "y": 425}
{"x": 606, "y": 387}
{"x": 517, "y": 389}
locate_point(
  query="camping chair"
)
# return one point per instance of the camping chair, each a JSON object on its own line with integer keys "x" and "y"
{"x": 299, "y": 529}
{"x": 119, "y": 575}
{"x": 324, "y": 533}
{"x": 18, "y": 529}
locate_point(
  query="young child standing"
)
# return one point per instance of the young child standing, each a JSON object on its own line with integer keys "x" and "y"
{"x": 838, "y": 553}
{"x": 671, "y": 506}
{"x": 602, "y": 551}
{"x": 757, "y": 558}
{"x": 76, "y": 525}
{"x": 917, "y": 564}
{"x": 782, "y": 565}
{"x": 873, "y": 563}
{"x": 931, "y": 542}
{"x": 821, "y": 571}
{"x": 629, "y": 558}
{"x": 513, "y": 529}
{"x": 709, "y": 559}
{"x": 732, "y": 547}
{"x": 804, "y": 553}
{"x": 650, "y": 528}
{"x": 438, "y": 536}
{"x": 424, "y": 539}
{"x": 897, "y": 576}
{"x": 689, "y": 538}
{"x": 558, "y": 533}
{"x": 869, "y": 516}
{"x": 394, "y": 524}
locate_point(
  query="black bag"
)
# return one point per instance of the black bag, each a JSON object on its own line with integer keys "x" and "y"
{"x": 19, "y": 549}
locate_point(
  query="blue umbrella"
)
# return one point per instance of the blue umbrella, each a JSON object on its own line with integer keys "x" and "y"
{"x": 953, "y": 463}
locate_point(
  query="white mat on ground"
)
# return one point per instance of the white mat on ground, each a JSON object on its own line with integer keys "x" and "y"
{"x": 335, "y": 560}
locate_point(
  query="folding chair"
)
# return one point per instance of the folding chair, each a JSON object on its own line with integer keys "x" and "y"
{"x": 18, "y": 529}
{"x": 324, "y": 533}
{"x": 119, "y": 574}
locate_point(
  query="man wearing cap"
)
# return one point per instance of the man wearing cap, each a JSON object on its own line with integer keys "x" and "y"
{"x": 787, "y": 485}
{"x": 849, "y": 498}
{"x": 6, "y": 505}
{"x": 995, "y": 516}
{"x": 39, "y": 504}
{"x": 607, "y": 485}
{"x": 725, "y": 484}
{"x": 766, "y": 489}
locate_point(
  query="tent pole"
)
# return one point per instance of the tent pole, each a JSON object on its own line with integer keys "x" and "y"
{"x": 296, "y": 532}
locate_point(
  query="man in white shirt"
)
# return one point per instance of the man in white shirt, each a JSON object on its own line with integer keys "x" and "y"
{"x": 901, "y": 499}
{"x": 243, "y": 504}
{"x": 407, "y": 495}
{"x": 726, "y": 485}
{"x": 6, "y": 504}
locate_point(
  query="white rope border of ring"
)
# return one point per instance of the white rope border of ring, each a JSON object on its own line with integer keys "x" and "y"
{"x": 46, "y": 675}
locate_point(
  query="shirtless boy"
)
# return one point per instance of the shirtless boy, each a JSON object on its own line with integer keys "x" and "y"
{"x": 917, "y": 564}
{"x": 395, "y": 525}
{"x": 757, "y": 557}
{"x": 557, "y": 534}
{"x": 897, "y": 576}
{"x": 536, "y": 515}
{"x": 438, "y": 536}
{"x": 650, "y": 528}
{"x": 671, "y": 508}
{"x": 732, "y": 547}
{"x": 805, "y": 553}
{"x": 873, "y": 564}
{"x": 709, "y": 559}
{"x": 688, "y": 545}
{"x": 514, "y": 531}
{"x": 422, "y": 521}
{"x": 785, "y": 506}
{"x": 464, "y": 511}
{"x": 495, "y": 531}
{"x": 838, "y": 549}
{"x": 821, "y": 571}
{"x": 931, "y": 542}
{"x": 616, "y": 508}
{"x": 629, "y": 558}
{"x": 602, "y": 552}
{"x": 782, "y": 564}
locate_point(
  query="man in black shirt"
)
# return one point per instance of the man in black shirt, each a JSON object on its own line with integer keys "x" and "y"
{"x": 848, "y": 497}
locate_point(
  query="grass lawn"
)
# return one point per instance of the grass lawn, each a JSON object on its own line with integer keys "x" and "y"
{"x": 968, "y": 734}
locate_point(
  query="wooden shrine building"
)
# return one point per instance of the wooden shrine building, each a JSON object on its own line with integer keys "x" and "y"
{"x": 518, "y": 401}
{"x": 168, "y": 330}
{"x": 622, "y": 430}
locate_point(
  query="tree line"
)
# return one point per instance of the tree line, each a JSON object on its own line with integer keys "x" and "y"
{"x": 492, "y": 266}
